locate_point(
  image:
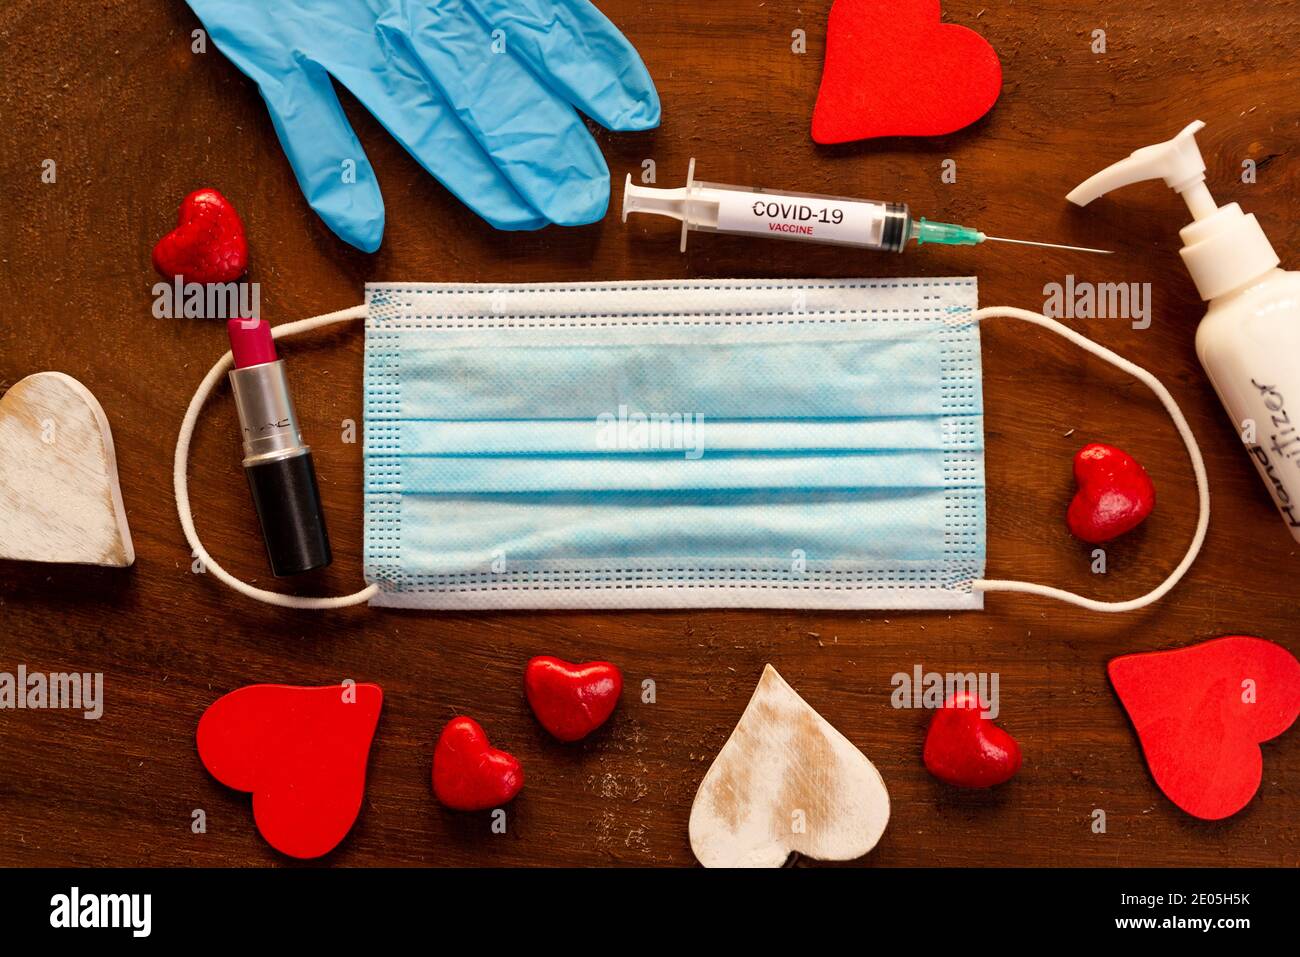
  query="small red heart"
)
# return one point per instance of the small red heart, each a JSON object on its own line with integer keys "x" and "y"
{"x": 208, "y": 243}
{"x": 571, "y": 701}
{"x": 892, "y": 69}
{"x": 965, "y": 748}
{"x": 468, "y": 773}
{"x": 300, "y": 751}
{"x": 1115, "y": 494}
{"x": 1201, "y": 713}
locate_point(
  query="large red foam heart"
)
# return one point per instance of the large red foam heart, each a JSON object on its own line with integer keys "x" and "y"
{"x": 965, "y": 748}
{"x": 1201, "y": 713}
{"x": 208, "y": 243}
{"x": 468, "y": 773}
{"x": 892, "y": 69}
{"x": 571, "y": 701}
{"x": 1115, "y": 494}
{"x": 300, "y": 751}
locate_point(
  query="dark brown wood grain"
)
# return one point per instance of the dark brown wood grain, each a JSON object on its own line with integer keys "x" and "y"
{"x": 134, "y": 121}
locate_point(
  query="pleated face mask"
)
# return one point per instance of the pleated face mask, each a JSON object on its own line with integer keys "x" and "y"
{"x": 740, "y": 443}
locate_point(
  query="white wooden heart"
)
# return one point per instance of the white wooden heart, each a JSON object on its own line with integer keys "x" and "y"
{"x": 786, "y": 781}
{"x": 59, "y": 496}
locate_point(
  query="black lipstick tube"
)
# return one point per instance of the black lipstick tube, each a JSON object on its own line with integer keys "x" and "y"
{"x": 280, "y": 472}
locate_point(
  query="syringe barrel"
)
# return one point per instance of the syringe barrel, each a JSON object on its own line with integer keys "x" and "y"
{"x": 805, "y": 217}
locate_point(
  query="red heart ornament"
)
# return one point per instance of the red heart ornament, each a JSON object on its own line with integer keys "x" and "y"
{"x": 892, "y": 69}
{"x": 571, "y": 701}
{"x": 1115, "y": 494}
{"x": 965, "y": 748}
{"x": 468, "y": 773}
{"x": 208, "y": 243}
{"x": 300, "y": 751}
{"x": 1201, "y": 713}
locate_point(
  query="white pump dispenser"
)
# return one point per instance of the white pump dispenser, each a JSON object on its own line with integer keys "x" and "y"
{"x": 1249, "y": 340}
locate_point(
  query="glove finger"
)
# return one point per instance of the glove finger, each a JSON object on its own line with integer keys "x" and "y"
{"x": 331, "y": 167}
{"x": 584, "y": 57}
{"x": 390, "y": 82}
{"x": 535, "y": 138}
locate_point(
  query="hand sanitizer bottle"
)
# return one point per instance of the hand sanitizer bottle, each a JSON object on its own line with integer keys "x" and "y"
{"x": 1249, "y": 340}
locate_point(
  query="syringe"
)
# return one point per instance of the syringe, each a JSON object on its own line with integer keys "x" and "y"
{"x": 839, "y": 220}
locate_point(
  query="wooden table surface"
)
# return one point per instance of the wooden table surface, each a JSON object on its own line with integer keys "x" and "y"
{"x": 112, "y": 93}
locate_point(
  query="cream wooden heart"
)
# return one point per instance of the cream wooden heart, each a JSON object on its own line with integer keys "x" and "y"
{"x": 786, "y": 781}
{"x": 59, "y": 497}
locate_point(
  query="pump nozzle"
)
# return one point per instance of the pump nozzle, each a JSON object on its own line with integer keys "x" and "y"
{"x": 1224, "y": 248}
{"x": 1177, "y": 161}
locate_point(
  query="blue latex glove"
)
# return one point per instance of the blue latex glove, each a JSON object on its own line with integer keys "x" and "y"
{"x": 481, "y": 92}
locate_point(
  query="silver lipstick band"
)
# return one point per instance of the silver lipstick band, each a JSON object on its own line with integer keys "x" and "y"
{"x": 266, "y": 414}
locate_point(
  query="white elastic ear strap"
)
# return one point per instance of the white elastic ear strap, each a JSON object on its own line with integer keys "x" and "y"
{"x": 1193, "y": 453}
{"x": 181, "y": 466}
{"x": 180, "y": 480}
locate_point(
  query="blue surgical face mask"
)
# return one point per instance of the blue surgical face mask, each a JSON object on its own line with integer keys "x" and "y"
{"x": 760, "y": 444}
{"x": 715, "y": 443}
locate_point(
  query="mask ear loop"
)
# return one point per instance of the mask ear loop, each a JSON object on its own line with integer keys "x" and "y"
{"x": 180, "y": 479}
{"x": 1193, "y": 453}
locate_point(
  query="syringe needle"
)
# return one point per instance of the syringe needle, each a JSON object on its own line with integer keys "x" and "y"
{"x": 1027, "y": 242}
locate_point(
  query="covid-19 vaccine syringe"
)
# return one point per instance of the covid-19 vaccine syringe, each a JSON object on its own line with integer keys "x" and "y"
{"x": 838, "y": 220}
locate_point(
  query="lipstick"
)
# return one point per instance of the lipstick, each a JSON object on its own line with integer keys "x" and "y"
{"x": 277, "y": 463}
